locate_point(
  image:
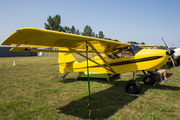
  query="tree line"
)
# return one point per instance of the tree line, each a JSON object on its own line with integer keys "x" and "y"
{"x": 54, "y": 23}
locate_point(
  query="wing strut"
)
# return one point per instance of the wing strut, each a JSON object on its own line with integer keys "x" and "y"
{"x": 94, "y": 49}
{"x": 89, "y": 104}
{"x": 88, "y": 75}
{"x": 79, "y": 53}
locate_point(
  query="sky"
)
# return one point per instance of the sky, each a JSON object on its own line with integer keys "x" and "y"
{"x": 125, "y": 20}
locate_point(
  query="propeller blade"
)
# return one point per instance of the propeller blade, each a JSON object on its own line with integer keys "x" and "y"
{"x": 167, "y": 48}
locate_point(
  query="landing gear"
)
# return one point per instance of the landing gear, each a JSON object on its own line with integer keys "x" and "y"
{"x": 149, "y": 79}
{"x": 133, "y": 87}
{"x": 178, "y": 60}
{"x": 62, "y": 77}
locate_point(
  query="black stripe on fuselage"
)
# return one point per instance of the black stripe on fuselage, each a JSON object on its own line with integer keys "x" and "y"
{"x": 135, "y": 61}
{"x": 127, "y": 62}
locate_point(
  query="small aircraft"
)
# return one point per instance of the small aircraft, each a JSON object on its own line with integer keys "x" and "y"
{"x": 177, "y": 54}
{"x": 112, "y": 57}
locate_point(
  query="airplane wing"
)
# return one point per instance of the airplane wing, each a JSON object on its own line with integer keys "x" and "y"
{"x": 152, "y": 46}
{"x": 40, "y": 38}
{"x": 34, "y": 37}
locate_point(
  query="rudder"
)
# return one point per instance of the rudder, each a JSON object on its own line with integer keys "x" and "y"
{"x": 65, "y": 61}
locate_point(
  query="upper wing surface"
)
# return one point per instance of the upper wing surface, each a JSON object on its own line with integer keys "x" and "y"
{"x": 151, "y": 46}
{"x": 34, "y": 37}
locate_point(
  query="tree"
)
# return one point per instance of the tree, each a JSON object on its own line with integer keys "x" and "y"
{"x": 132, "y": 42}
{"x": 77, "y": 32}
{"x": 93, "y": 34}
{"x": 116, "y": 40}
{"x": 101, "y": 35}
{"x": 66, "y": 29}
{"x": 87, "y": 31}
{"x": 73, "y": 30}
{"x": 142, "y": 43}
{"x": 107, "y": 38}
{"x": 53, "y": 23}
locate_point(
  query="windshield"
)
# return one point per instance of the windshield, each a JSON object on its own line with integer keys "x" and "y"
{"x": 135, "y": 48}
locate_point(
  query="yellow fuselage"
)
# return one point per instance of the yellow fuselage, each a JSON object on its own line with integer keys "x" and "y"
{"x": 145, "y": 59}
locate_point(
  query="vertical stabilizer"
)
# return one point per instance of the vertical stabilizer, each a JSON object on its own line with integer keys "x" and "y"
{"x": 65, "y": 61}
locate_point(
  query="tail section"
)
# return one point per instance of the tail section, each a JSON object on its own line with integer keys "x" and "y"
{"x": 65, "y": 61}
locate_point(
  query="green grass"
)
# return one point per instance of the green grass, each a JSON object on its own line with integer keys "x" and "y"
{"x": 29, "y": 90}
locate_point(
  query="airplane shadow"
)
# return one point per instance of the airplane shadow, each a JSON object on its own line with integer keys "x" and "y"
{"x": 109, "y": 101}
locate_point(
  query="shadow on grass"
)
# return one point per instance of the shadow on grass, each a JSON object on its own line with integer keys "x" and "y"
{"x": 103, "y": 80}
{"x": 109, "y": 101}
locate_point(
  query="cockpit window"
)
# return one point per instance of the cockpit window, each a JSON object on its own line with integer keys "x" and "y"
{"x": 125, "y": 51}
{"x": 121, "y": 52}
{"x": 135, "y": 48}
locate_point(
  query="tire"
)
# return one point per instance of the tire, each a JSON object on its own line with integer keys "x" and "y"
{"x": 149, "y": 79}
{"x": 178, "y": 60}
{"x": 171, "y": 64}
{"x": 133, "y": 87}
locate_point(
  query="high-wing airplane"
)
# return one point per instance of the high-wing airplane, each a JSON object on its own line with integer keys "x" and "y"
{"x": 112, "y": 57}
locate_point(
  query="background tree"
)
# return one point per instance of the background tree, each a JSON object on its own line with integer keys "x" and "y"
{"x": 142, "y": 43}
{"x": 78, "y": 32}
{"x": 53, "y": 23}
{"x": 116, "y": 40}
{"x": 101, "y": 35}
{"x": 87, "y": 31}
{"x": 93, "y": 34}
{"x": 107, "y": 38}
{"x": 132, "y": 42}
{"x": 73, "y": 30}
{"x": 66, "y": 29}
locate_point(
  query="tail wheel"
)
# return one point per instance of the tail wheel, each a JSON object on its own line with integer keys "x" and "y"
{"x": 133, "y": 87}
{"x": 149, "y": 79}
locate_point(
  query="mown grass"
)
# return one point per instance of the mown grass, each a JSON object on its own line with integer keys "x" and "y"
{"x": 29, "y": 90}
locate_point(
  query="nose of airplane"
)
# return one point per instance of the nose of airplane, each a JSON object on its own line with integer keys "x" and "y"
{"x": 170, "y": 52}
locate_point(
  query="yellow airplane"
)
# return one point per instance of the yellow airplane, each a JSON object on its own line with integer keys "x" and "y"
{"x": 112, "y": 57}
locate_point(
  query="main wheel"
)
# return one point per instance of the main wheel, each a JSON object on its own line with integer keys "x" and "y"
{"x": 133, "y": 87}
{"x": 149, "y": 79}
{"x": 178, "y": 60}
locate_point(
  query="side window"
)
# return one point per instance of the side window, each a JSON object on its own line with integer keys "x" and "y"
{"x": 127, "y": 51}
{"x": 135, "y": 48}
{"x": 121, "y": 52}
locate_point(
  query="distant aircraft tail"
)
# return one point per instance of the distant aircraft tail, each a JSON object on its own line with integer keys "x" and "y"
{"x": 65, "y": 61}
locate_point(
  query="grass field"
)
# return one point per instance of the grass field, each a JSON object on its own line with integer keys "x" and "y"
{"x": 29, "y": 90}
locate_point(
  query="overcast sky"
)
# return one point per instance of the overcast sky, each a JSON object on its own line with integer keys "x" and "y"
{"x": 126, "y": 20}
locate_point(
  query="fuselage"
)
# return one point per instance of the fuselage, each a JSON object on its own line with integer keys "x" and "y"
{"x": 143, "y": 59}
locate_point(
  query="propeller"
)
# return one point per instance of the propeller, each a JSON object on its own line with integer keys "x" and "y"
{"x": 169, "y": 52}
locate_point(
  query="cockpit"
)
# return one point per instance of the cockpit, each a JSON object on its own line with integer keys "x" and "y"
{"x": 135, "y": 48}
{"x": 125, "y": 51}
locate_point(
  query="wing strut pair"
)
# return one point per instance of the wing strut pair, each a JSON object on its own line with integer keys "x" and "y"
{"x": 94, "y": 49}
